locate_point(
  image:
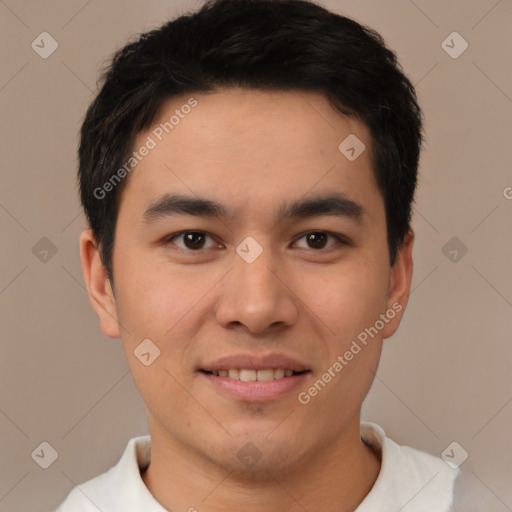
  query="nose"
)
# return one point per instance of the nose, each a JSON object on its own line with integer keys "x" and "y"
{"x": 257, "y": 296}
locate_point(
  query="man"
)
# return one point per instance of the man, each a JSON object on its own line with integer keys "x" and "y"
{"x": 247, "y": 172}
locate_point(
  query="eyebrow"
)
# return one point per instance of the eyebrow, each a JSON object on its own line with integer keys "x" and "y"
{"x": 333, "y": 204}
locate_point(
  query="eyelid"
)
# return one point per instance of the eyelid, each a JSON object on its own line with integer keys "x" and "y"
{"x": 168, "y": 239}
{"x": 342, "y": 240}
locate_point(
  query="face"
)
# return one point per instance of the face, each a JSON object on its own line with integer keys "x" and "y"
{"x": 288, "y": 273}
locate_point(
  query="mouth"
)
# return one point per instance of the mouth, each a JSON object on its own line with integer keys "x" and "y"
{"x": 252, "y": 375}
{"x": 255, "y": 378}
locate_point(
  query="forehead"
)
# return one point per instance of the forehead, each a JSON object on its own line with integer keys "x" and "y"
{"x": 251, "y": 149}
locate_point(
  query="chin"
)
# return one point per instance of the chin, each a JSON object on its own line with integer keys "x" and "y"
{"x": 255, "y": 455}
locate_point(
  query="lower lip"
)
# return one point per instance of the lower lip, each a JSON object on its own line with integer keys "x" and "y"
{"x": 256, "y": 391}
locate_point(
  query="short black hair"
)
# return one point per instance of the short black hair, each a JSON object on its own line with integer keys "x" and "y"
{"x": 281, "y": 45}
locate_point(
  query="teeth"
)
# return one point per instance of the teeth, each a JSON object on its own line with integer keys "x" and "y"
{"x": 248, "y": 375}
{"x": 279, "y": 373}
{"x": 234, "y": 374}
{"x": 265, "y": 374}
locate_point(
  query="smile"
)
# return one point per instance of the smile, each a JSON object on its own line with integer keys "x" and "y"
{"x": 250, "y": 375}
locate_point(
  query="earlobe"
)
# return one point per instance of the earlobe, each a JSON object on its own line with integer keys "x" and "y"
{"x": 400, "y": 284}
{"x": 98, "y": 285}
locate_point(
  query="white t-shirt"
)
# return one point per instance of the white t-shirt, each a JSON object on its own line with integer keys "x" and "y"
{"x": 410, "y": 480}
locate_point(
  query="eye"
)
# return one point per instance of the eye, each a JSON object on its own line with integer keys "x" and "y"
{"x": 318, "y": 240}
{"x": 195, "y": 241}
{"x": 192, "y": 240}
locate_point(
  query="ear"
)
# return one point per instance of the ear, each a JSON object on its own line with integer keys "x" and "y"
{"x": 399, "y": 285}
{"x": 98, "y": 285}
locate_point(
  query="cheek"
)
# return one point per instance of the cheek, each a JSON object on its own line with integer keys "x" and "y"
{"x": 350, "y": 303}
{"x": 165, "y": 305}
{"x": 154, "y": 306}
{"x": 347, "y": 299}
{"x": 150, "y": 301}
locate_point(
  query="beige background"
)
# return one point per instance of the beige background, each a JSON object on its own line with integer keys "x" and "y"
{"x": 444, "y": 377}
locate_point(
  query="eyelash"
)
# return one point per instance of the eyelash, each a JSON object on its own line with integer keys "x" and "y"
{"x": 339, "y": 238}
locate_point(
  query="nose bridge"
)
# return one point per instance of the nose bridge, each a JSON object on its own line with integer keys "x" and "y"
{"x": 254, "y": 281}
{"x": 253, "y": 294}
{"x": 255, "y": 277}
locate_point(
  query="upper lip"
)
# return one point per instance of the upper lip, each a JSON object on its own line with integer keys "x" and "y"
{"x": 255, "y": 362}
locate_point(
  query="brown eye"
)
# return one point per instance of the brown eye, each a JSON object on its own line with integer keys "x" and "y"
{"x": 318, "y": 240}
{"x": 190, "y": 240}
{"x": 194, "y": 240}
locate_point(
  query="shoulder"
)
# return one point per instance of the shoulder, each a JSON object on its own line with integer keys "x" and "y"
{"x": 89, "y": 496}
{"x": 472, "y": 495}
{"x": 410, "y": 480}
{"x": 120, "y": 486}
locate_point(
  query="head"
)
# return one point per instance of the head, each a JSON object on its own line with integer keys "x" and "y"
{"x": 230, "y": 123}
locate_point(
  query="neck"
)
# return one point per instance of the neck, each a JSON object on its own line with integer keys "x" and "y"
{"x": 336, "y": 477}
